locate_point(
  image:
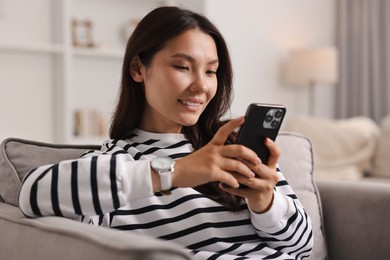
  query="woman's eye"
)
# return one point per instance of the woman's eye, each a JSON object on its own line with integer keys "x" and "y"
{"x": 211, "y": 72}
{"x": 182, "y": 67}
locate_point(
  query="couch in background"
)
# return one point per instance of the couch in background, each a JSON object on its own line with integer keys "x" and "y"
{"x": 349, "y": 219}
{"x": 356, "y": 148}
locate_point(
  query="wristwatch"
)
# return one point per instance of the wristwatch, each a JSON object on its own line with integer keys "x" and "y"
{"x": 164, "y": 166}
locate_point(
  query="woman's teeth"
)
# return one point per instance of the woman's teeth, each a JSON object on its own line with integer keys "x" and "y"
{"x": 189, "y": 103}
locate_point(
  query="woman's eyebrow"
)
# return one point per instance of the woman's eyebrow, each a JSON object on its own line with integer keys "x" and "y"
{"x": 190, "y": 58}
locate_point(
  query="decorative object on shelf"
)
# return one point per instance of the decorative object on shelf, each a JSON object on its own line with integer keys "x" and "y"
{"x": 89, "y": 123}
{"x": 78, "y": 51}
{"x": 309, "y": 67}
{"x": 82, "y": 33}
{"x": 128, "y": 29}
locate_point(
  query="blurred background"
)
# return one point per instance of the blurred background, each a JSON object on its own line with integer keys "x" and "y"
{"x": 60, "y": 60}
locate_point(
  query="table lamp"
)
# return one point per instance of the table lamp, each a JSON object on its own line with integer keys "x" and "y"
{"x": 309, "y": 67}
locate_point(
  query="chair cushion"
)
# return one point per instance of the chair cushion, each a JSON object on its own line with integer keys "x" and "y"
{"x": 296, "y": 163}
{"x": 19, "y": 156}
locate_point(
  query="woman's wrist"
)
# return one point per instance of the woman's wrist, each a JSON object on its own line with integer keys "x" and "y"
{"x": 263, "y": 205}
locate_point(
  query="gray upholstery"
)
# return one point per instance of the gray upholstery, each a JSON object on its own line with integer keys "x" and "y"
{"x": 356, "y": 219}
{"x": 59, "y": 238}
{"x": 18, "y": 156}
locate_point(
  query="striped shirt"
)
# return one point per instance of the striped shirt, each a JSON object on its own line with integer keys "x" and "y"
{"x": 113, "y": 188}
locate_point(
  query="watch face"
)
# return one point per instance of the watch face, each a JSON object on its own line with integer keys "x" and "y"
{"x": 162, "y": 163}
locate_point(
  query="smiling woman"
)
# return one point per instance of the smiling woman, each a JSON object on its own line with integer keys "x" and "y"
{"x": 168, "y": 138}
{"x": 179, "y": 82}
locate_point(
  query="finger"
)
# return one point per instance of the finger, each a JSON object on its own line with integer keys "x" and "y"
{"x": 224, "y": 131}
{"x": 240, "y": 179}
{"x": 228, "y": 179}
{"x": 237, "y": 166}
{"x": 230, "y": 190}
{"x": 261, "y": 171}
{"x": 241, "y": 152}
{"x": 274, "y": 152}
{"x": 257, "y": 183}
{"x": 251, "y": 182}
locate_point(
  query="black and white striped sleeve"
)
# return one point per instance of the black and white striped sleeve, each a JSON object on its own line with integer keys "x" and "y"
{"x": 93, "y": 185}
{"x": 286, "y": 227}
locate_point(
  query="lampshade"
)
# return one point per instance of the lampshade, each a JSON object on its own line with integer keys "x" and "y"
{"x": 312, "y": 66}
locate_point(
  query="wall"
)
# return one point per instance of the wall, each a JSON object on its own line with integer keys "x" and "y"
{"x": 25, "y": 78}
{"x": 260, "y": 35}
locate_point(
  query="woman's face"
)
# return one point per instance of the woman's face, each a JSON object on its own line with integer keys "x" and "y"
{"x": 180, "y": 82}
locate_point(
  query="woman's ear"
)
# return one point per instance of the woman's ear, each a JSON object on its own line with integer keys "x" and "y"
{"x": 135, "y": 69}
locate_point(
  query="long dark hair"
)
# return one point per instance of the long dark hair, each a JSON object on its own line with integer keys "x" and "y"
{"x": 150, "y": 36}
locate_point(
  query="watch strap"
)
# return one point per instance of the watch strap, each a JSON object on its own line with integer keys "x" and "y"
{"x": 166, "y": 180}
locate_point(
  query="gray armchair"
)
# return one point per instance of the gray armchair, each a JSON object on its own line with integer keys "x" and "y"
{"x": 353, "y": 215}
{"x": 356, "y": 219}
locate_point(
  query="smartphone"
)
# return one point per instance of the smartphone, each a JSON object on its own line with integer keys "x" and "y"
{"x": 261, "y": 121}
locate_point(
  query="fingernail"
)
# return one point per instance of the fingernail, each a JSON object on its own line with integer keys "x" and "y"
{"x": 258, "y": 161}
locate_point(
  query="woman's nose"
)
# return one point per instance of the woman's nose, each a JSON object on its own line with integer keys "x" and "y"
{"x": 200, "y": 83}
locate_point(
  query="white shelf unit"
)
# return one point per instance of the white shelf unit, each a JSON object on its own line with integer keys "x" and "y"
{"x": 33, "y": 48}
{"x": 92, "y": 75}
{"x": 79, "y": 78}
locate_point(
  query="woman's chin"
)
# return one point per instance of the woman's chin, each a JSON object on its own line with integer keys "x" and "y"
{"x": 190, "y": 122}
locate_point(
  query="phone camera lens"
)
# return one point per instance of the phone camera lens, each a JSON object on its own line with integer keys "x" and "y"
{"x": 278, "y": 114}
{"x": 268, "y": 118}
{"x": 275, "y": 124}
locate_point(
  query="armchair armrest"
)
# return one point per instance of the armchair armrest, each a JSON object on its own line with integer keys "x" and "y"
{"x": 356, "y": 219}
{"x": 61, "y": 238}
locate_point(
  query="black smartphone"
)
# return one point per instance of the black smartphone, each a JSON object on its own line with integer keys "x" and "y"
{"x": 261, "y": 121}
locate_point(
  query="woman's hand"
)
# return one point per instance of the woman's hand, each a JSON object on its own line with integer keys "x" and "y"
{"x": 216, "y": 161}
{"x": 259, "y": 194}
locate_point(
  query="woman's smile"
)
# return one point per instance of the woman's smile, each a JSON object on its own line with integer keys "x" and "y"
{"x": 191, "y": 104}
